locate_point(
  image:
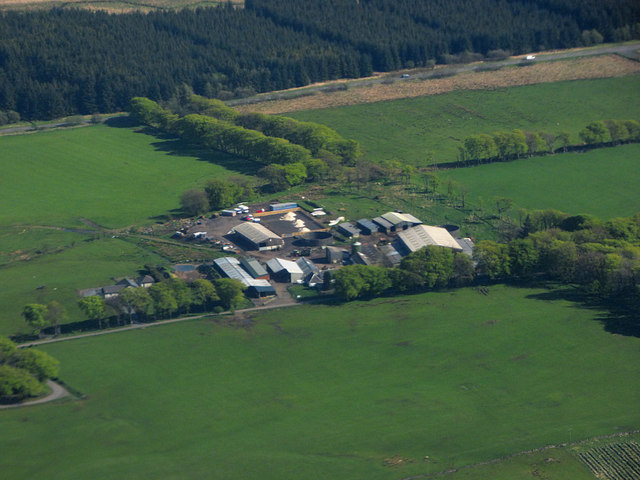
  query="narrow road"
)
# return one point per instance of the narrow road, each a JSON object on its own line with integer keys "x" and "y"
{"x": 57, "y": 392}
{"x": 276, "y": 304}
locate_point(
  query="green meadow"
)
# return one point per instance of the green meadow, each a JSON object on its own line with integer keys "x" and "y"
{"x": 113, "y": 177}
{"x": 337, "y": 392}
{"x": 429, "y": 129}
{"x": 603, "y": 182}
{"x": 58, "y": 185}
{"x": 83, "y": 262}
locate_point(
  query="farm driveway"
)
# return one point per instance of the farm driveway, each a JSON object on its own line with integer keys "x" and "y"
{"x": 57, "y": 392}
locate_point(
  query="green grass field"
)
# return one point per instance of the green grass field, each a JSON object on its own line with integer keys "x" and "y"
{"x": 429, "y": 129}
{"x": 335, "y": 392}
{"x": 602, "y": 182}
{"x": 81, "y": 262}
{"x": 111, "y": 176}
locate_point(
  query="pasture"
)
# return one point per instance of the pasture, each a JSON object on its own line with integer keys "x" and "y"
{"x": 113, "y": 177}
{"x": 602, "y": 182}
{"x": 59, "y": 188}
{"x": 362, "y": 390}
{"x": 64, "y": 265}
{"x": 427, "y": 130}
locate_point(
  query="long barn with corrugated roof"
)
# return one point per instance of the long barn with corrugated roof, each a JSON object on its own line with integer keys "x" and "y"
{"x": 258, "y": 236}
{"x": 421, "y": 236}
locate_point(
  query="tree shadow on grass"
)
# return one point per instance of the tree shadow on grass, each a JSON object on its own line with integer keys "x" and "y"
{"x": 123, "y": 121}
{"x": 616, "y": 316}
{"x": 172, "y": 145}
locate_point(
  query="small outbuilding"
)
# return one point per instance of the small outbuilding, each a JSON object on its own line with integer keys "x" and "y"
{"x": 367, "y": 227}
{"x": 334, "y": 254}
{"x": 467, "y": 245}
{"x": 260, "y": 288}
{"x": 309, "y": 269}
{"x": 254, "y": 268}
{"x": 348, "y": 230}
{"x": 285, "y": 271}
{"x": 400, "y": 221}
{"x": 384, "y": 226}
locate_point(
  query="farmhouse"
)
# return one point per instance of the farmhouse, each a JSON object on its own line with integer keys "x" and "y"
{"x": 112, "y": 291}
{"x": 285, "y": 271}
{"x": 420, "y": 236}
{"x": 230, "y": 268}
{"x": 258, "y": 236}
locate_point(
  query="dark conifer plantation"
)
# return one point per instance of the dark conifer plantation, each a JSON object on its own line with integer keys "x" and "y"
{"x": 67, "y": 61}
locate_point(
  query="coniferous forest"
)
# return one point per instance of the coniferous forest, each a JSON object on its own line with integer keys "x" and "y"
{"x": 67, "y": 61}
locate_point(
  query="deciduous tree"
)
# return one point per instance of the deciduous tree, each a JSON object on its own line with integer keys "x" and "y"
{"x": 93, "y": 307}
{"x": 194, "y": 202}
{"x": 34, "y": 315}
{"x": 229, "y": 291}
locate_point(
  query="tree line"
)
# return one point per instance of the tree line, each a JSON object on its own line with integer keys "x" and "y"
{"x": 293, "y": 151}
{"x": 23, "y": 371}
{"x": 69, "y": 61}
{"x": 502, "y": 146}
{"x": 163, "y": 299}
{"x": 427, "y": 268}
{"x": 600, "y": 258}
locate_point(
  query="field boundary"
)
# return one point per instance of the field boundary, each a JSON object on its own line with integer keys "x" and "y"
{"x": 605, "y": 62}
{"x": 428, "y": 476}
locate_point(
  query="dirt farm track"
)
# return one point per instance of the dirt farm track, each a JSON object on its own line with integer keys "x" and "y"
{"x": 472, "y": 77}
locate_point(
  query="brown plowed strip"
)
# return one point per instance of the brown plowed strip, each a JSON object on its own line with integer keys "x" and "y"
{"x": 604, "y": 66}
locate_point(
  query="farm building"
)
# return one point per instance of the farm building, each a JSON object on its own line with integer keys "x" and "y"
{"x": 230, "y": 267}
{"x": 315, "y": 280}
{"x": 334, "y": 254}
{"x": 258, "y": 236}
{"x": 400, "y": 221}
{"x": 285, "y": 271}
{"x": 254, "y": 268}
{"x": 467, "y": 245}
{"x": 145, "y": 281}
{"x": 391, "y": 254}
{"x": 112, "y": 291}
{"x": 309, "y": 269}
{"x": 274, "y": 207}
{"x": 360, "y": 258}
{"x": 348, "y": 230}
{"x": 420, "y": 236}
{"x": 383, "y": 225}
{"x": 367, "y": 227}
